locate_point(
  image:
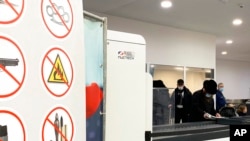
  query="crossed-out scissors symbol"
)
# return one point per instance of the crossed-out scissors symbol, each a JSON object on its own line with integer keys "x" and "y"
{"x": 60, "y": 19}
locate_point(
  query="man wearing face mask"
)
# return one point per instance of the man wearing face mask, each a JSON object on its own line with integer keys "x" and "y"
{"x": 220, "y": 98}
{"x": 203, "y": 103}
{"x": 181, "y": 99}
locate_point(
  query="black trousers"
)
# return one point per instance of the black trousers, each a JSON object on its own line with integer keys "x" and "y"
{"x": 181, "y": 115}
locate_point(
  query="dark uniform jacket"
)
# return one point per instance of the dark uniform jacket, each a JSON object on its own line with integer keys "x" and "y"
{"x": 186, "y": 100}
{"x": 200, "y": 105}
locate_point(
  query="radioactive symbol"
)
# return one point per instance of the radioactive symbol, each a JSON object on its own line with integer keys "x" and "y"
{"x": 57, "y": 74}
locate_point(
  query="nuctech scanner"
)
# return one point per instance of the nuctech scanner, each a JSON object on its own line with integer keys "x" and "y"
{"x": 8, "y": 62}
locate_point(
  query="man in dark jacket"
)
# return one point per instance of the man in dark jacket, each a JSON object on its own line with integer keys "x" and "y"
{"x": 203, "y": 103}
{"x": 181, "y": 99}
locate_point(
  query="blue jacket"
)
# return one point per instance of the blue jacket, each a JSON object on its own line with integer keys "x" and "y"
{"x": 220, "y": 100}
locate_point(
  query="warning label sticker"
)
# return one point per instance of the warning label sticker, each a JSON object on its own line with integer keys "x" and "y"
{"x": 58, "y": 74}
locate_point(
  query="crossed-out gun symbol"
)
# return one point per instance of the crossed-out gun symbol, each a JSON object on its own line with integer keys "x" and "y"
{"x": 8, "y": 62}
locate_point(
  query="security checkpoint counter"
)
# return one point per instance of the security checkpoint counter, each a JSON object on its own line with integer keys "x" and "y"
{"x": 198, "y": 131}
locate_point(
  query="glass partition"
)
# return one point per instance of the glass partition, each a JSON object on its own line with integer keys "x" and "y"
{"x": 161, "y": 110}
{"x": 196, "y": 76}
{"x": 163, "y": 101}
{"x": 168, "y": 74}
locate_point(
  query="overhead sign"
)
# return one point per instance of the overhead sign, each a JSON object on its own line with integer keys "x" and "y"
{"x": 10, "y": 11}
{"x": 12, "y": 67}
{"x": 57, "y": 16}
{"x": 11, "y": 127}
{"x": 57, "y": 72}
{"x": 58, "y": 126}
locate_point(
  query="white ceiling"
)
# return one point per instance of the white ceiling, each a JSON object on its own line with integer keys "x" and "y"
{"x": 207, "y": 16}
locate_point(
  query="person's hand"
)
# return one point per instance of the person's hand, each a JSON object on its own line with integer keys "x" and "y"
{"x": 170, "y": 106}
{"x": 217, "y": 115}
{"x": 207, "y": 116}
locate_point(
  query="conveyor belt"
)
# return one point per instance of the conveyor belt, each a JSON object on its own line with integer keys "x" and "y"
{"x": 234, "y": 120}
{"x": 197, "y": 131}
{"x": 193, "y": 131}
{"x": 195, "y": 136}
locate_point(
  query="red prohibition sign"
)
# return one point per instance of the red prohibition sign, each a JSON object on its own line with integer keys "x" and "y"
{"x": 17, "y": 10}
{"x": 18, "y": 119}
{"x": 48, "y": 64}
{"x": 12, "y": 76}
{"x": 49, "y": 122}
{"x": 57, "y": 16}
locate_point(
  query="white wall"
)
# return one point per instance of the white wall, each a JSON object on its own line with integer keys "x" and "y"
{"x": 170, "y": 46}
{"x": 236, "y": 77}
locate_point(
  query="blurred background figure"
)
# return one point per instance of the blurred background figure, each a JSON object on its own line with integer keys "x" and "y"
{"x": 228, "y": 111}
{"x": 242, "y": 109}
{"x": 220, "y": 98}
{"x": 181, "y": 102}
{"x": 161, "y": 100}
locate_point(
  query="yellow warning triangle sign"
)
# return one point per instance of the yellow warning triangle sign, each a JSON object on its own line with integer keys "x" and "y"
{"x": 57, "y": 74}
